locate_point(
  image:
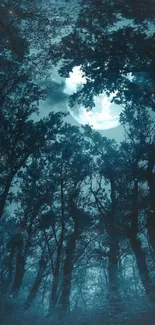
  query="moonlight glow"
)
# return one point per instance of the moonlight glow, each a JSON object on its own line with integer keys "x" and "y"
{"x": 105, "y": 115}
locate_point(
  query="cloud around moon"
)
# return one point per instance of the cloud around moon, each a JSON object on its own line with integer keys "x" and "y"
{"x": 105, "y": 114}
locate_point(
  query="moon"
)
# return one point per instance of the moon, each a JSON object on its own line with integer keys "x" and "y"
{"x": 103, "y": 116}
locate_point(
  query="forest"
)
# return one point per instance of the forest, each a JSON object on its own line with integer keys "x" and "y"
{"x": 77, "y": 209}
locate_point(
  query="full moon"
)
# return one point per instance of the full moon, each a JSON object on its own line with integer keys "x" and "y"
{"x": 103, "y": 116}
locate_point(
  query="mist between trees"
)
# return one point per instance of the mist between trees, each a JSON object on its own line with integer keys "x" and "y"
{"x": 77, "y": 210}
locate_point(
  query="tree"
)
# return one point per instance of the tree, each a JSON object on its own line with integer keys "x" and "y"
{"x": 138, "y": 145}
{"x": 106, "y": 52}
{"x": 34, "y": 290}
{"x": 106, "y": 176}
{"x": 72, "y": 169}
{"x": 77, "y": 226}
{"x": 33, "y": 195}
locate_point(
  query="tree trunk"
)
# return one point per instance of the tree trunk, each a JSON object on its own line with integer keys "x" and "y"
{"x": 21, "y": 258}
{"x": 142, "y": 267}
{"x": 10, "y": 270}
{"x": 56, "y": 272}
{"x": 151, "y": 229}
{"x": 113, "y": 270}
{"x": 7, "y": 283}
{"x": 113, "y": 267}
{"x": 5, "y": 194}
{"x": 64, "y": 302}
{"x": 137, "y": 249}
{"x": 55, "y": 283}
{"x": 33, "y": 292}
{"x": 151, "y": 184}
{"x": 19, "y": 272}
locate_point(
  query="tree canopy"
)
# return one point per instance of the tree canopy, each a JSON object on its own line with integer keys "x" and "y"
{"x": 77, "y": 209}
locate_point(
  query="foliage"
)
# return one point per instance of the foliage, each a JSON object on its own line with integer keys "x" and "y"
{"x": 77, "y": 209}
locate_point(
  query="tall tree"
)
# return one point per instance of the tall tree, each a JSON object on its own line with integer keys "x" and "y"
{"x": 139, "y": 136}
{"x": 105, "y": 47}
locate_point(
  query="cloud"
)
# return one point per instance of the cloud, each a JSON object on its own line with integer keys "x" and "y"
{"x": 75, "y": 81}
{"x": 56, "y": 100}
{"x": 56, "y": 94}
